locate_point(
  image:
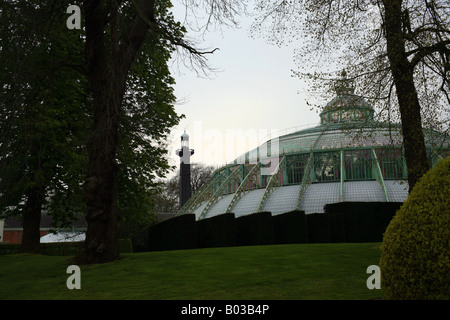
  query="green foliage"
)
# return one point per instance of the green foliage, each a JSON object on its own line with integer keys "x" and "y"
{"x": 46, "y": 114}
{"x": 43, "y": 119}
{"x": 125, "y": 246}
{"x": 51, "y": 249}
{"x": 62, "y": 248}
{"x": 415, "y": 259}
{"x": 147, "y": 117}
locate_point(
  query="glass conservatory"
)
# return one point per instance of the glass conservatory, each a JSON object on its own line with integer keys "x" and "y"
{"x": 348, "y": 156}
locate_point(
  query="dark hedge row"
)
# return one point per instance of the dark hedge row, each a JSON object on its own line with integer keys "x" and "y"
{"x": 290, "y": 227}
{"x": 341, "y": 222}
{"x": 224, "y": 230}
{"x": 218, "y": 231}
{"x": 360, "y": 221}
{"x": 254, "y": 229}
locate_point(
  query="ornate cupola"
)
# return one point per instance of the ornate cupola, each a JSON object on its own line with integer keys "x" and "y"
{"x": 346, "y": 107}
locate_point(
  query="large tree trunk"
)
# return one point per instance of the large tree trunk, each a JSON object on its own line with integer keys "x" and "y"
{"x": 109, "y": 55}
{"x": 100, "y": 189}
{"x": 32, "y": 220}
{"x": 402, "y": 72}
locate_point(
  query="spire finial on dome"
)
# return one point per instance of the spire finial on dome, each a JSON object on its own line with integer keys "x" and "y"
{"x": 344, "y": 85}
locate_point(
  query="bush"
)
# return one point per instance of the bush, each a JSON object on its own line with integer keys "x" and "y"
{"x": 125, "y": 246}
{"x": 137, "y": 231}
{"x": 9, "y": 248}
{"x": 415, "y": 260}
{"x": 61, "y": 248}
{"x": 290, "y": 227}
{"x": 218, "y": 231}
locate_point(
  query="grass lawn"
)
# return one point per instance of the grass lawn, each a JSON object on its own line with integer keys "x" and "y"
{"x": 299, "y": 271}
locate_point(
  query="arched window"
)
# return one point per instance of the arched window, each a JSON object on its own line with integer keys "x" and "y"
{"x": 358, "y": 165}
{"x": 334, "y": 117}
{"x": 347, "y": 115}
{"x": 360, "y": 115}
{"x": 295, "y": 168}
{"x": 327, "y": 166}
{"x": 391, "y": 163}
{"x": 296, "y": 172}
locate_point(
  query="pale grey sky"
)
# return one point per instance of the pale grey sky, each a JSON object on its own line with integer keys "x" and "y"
{"x": 254, "y": 94}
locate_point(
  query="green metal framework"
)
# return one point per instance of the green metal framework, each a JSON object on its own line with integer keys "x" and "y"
{"x": 378, "y": 174}
{"x": 204, "y": 193}
{"x": 341, "y": 189}
{"x": 344, "y": 164}
{"x": 358, "y": 165}
{"x": 235, "y": 175}
{"x": 306, "y": 181}
{"x": 274, "y": 182}
{"x": 244, "y": 187}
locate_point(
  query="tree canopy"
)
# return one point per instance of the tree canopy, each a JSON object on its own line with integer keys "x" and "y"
{"x": 47, "y": 113}
{"x": 43, "y": 118}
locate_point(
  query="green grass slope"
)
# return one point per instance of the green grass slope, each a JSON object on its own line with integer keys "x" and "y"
{"x": 300, "y": 271}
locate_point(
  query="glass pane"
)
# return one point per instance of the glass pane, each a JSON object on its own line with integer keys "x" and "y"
{"x": 358, "y": 165}
{"x": 327, "y": 166}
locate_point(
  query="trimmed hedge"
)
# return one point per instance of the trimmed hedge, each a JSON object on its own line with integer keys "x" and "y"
{"x": 254, "y": 229}
{"x": 361, "y": 221}
{"x": 337, "y": 223}
{"x": 9, "y": 248}
{"x": 173, "y": 234}
{"x": 319, "y": 228}
{"x": 51, "y": 249}
{"x": 61, "y": 248}
{"x": 290, "y": 227}
{"x": 217, "y": 231}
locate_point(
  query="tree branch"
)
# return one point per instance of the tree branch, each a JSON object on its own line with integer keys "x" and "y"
{"x": 95, "y": 46}
{"x": 132, "y": 39}
{"x": 422, "y": 52}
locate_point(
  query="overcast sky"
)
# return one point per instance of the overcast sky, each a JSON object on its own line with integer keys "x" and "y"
{"x": 253, "y": 94}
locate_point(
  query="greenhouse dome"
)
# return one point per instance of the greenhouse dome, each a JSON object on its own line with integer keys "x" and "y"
{"x": 348, "y": 156}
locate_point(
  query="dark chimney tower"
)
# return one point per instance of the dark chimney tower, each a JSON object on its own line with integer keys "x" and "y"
{"x": 185, "y": 169}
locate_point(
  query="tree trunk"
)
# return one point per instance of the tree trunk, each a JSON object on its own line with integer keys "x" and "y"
{"x": 32, "y": 221}
{"x": 100, "y": 189}
{"x": 402, "y": 72}
{"x": 109, "y": 61}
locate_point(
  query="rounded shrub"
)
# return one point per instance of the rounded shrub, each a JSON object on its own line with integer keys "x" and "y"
{"x": 415, "y": 262}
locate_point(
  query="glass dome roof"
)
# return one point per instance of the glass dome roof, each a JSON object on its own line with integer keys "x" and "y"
{"x": 347, "y": 157}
